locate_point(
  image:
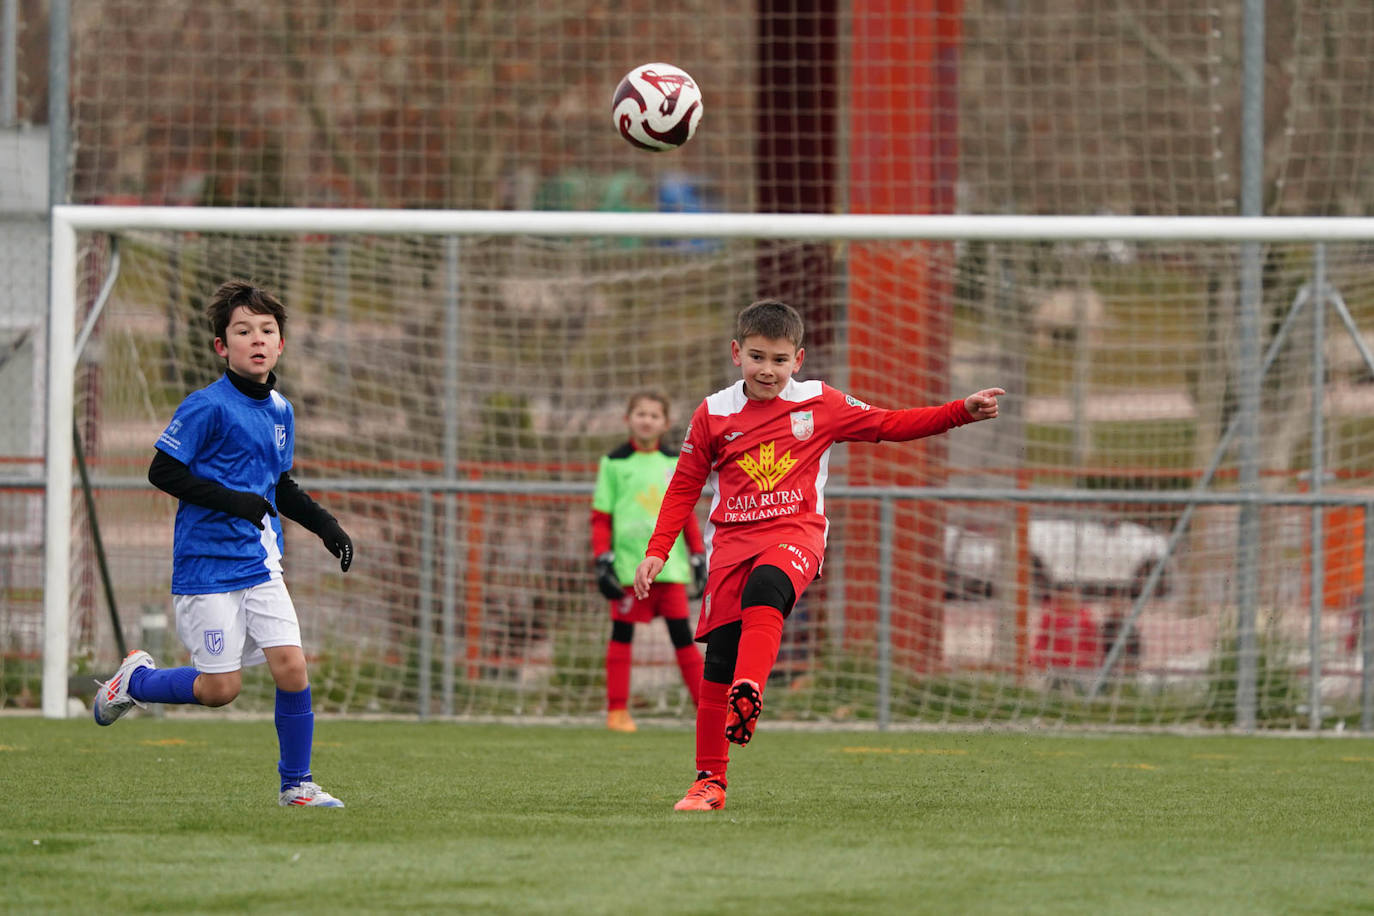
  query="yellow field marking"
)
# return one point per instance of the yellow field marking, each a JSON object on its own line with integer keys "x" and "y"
{"x": 1343, "y": 759}
{"x": 1134, "y": 766}
{"x": 937, "y": 751}
{"x": 10, "y": 747}
{"x": 168, "y": 742}
{"x": 1058, "y": 753}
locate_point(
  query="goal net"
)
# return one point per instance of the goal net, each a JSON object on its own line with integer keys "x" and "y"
{"x": 456, "y": 377}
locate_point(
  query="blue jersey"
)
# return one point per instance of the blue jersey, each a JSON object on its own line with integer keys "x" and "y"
{"x": 244, "y": 444}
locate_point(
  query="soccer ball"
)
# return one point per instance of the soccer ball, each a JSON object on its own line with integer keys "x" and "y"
{"x": 656, "y": 107}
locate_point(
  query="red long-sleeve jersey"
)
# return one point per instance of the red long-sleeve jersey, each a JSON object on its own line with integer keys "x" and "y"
{"x": 767, "y": 463}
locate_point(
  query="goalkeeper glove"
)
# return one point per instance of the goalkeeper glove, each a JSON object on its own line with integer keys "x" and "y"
{"x": 337, "y": 542}
{"x": 606, "y": 579}
{"x": 250, "y": 506}
{"x": 699, "y": 571}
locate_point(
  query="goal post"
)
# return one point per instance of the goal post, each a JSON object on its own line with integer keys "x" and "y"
{"x": 468, "y": 485}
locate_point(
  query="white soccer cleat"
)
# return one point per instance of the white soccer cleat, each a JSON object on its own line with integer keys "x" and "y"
{"x": 112, "y": 699}
{"x": 308, "y": 795}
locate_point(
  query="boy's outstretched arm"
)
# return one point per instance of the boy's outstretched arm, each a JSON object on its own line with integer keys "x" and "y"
{"x": 175, "y": 479}
{"x": 297, "y": 505}
{"x": 982, "y": 405}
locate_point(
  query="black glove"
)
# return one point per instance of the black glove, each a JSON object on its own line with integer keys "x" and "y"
{"x": 250, "y": 506}
{"x": 699, "y": 571}
{"x": 606, "y": 579}
{"x": 337, "y": 542}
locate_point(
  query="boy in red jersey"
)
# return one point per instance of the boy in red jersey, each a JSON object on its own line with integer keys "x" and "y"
{"x": 764, "y": 446}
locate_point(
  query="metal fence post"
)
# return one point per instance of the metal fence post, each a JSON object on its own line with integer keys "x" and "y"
{"x": 425, "y": 617}
{"x": 1318, "y": 533}
{"x": 886, "y": 523}
{"x": 1367, "y": 621}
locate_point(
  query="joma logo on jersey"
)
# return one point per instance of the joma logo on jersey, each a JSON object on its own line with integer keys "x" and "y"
{"x": 281, "y": 436}
{"x": 765, "y": 470}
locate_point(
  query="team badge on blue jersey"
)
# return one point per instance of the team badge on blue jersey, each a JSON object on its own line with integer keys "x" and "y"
{"x": 281, "y": 436}
{"x": 214, "y": 641}
{"x": 803, "y": 425}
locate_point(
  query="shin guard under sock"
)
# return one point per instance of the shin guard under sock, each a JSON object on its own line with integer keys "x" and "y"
{"x": 760, "y": 636}
{"x": 164, "y": 685}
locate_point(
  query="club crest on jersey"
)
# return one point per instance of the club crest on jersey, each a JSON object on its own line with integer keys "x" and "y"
{"x": 803, "y": 425}
{"x": 214, "y": 641}
{"x": 281, "y": 436}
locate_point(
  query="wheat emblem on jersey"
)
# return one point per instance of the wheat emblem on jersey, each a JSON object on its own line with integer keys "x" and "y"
{"x": 649, "y": 499}
{"x": 765, "y": 470}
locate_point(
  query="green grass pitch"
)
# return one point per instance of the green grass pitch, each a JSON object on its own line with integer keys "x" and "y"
{"x": 179, "y": 815}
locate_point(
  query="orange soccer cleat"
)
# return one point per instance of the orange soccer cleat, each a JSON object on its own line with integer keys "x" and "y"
{"x": 706, "y": 794}
{"x": 742, "y": 707}
{"x": 618, "y": 720}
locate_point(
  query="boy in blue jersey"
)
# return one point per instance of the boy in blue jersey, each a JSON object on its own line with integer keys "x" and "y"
{"x": 226, "y": 455}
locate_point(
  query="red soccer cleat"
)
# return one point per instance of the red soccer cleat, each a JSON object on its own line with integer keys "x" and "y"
{"x": 742, "y": 708}
{"x": 706, "y": 794}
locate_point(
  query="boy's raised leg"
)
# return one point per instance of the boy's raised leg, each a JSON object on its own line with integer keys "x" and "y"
{"x": 760, "y": 636}
{"x": 113, "y": 699}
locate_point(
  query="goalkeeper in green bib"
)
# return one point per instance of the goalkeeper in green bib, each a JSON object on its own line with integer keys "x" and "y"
{"x": 630, "y": 484}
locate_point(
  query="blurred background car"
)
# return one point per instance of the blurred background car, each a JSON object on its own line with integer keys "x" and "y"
{"x": 1096, "y": 556}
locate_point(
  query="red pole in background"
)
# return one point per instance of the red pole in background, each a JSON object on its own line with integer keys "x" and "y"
{"x": 903, "y": 159}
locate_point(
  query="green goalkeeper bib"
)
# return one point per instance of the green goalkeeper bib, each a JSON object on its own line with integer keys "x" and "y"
{"x": 629, "y": 488}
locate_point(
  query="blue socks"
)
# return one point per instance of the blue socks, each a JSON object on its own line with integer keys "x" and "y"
{"x": 164, "y": 685}
{"x": 295, "y": 734}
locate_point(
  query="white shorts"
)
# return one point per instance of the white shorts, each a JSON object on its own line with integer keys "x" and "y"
{"x": 228, "y": 630}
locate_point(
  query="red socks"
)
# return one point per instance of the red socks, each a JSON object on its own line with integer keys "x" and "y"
{"x": 617, "y": 674}
{"x": 760, "y": 636}
{"x": 689, "y": 663}
{"x": 713, "y": 751}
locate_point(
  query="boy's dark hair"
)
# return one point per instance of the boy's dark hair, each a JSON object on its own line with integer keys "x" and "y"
{"x": 771, "y": 318}
{"x": 235, "y": 293}
{"x": 649, "y": 394}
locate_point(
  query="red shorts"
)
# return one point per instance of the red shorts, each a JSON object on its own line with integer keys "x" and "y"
{"x": 725, "y": 587}
{"x": 666, "y": 599}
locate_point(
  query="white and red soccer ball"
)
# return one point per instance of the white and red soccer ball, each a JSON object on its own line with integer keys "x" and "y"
{"x": 656, "y": 107}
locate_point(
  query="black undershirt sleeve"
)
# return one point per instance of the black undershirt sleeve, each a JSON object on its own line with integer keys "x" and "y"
{"x": 295, "y": 504}
{"x": 172, "y": 477}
